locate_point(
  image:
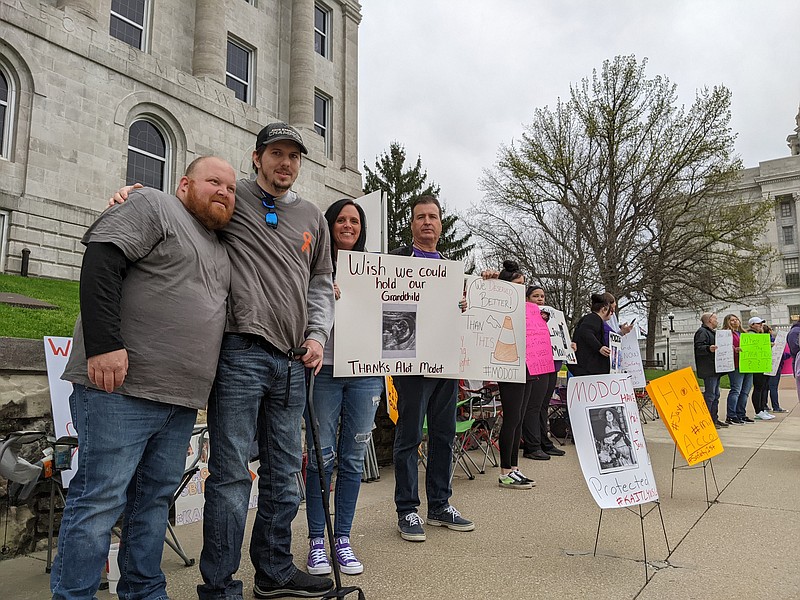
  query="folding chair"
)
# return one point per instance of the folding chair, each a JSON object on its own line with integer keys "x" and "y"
{"x": 486, "y": 409}
{"x": 558, "y": 415}
{"x": 645, "y": 405}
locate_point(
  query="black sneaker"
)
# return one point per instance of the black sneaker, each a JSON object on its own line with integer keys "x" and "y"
{"x": 747, "y": 420}
{"x": 410, "y": 527}
{"x": 733, "y": 421}
{"x": 537, "y": 455}
{"x": 720, "y": 425}
{"x": 553, "y": 451}
{"x": 301, "y": 585}
{"x": 449, "y": 517}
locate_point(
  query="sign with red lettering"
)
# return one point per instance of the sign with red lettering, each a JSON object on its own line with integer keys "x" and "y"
{"x": 685, "y": 414}
{"x": 56, "y": 354}
{"x": 538, "y": 350}
{"x": 609, "y": 440}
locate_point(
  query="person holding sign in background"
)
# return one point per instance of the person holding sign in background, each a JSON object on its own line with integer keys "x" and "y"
{"x": 760, "y": 380}
{"x": 704, "y": 349}
{"x": 418, "y": 397}
{"x": 344, "y": 405}
{"x": 515, "y": 398}
{"x": 740, "y": 382}
{"x": 536, "y": 443}
{"x": 775, "y": 380}
{"x": 592, "y": 352}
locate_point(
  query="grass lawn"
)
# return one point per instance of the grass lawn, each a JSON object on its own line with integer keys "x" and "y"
{"x": 37, "y": 323}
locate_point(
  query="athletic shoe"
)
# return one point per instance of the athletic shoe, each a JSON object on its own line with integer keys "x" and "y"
{"x": 720, "y": 425}
{"x": 746, "y": 419}
{"x": 536, "y": 455}
{"x": 553, "y": 451}
{"x": 516, "y": 474}
{"x": 779, "y": 410}
{"x": 449, "y": 517}
{"x": 317, "y": 563}
{"x": 506, "y": 481}
{"x": 348, "y": 563}
{"x": 764, "y": 416}
{"x": 301, "y": 585}
{"x": 734, "y": 421}
{"x": 410, "y": 527}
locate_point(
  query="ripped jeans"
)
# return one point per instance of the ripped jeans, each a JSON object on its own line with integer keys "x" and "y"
{"x": 351, "y": 402}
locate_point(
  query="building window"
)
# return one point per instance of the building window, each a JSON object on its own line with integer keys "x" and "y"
{"x": 6, "y": 113}
{"x": 744, "y": 316}
{"x": 322, "y": 19}
{"x": 794, "y": 312}
{"x": 128, "y": 18}
{"x": 147, "y": 156}
{"x": 786, "y": 208}
{"x": 322, "y": 117}
{"x": 788, "y": 235}
{"x": 791, "y": 269}
{"x": 238, "y": 70}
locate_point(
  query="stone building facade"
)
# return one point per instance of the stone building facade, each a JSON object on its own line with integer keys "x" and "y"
{"x": 96, "y": 93}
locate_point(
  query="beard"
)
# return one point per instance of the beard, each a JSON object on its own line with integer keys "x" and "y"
{"x": 208, "y": 210}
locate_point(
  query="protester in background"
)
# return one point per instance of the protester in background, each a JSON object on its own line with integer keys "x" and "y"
{"x": 344, "y": 405}
{"x": 740, "y": 382}
{"x": 593, "y": 352}
{"x": 536, "y": 443}
{"x": 704, "y": 349}
{"x": 760, "y": 380}
{"x": 775, "y": 380}
{"x": 793, "y": 341}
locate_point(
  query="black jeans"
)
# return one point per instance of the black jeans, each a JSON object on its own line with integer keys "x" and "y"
{"x": 534, "y": 423}
{"x": 418, "y": 397}
{"x": 760, "y": 392}
{"x": 514, "y": 397}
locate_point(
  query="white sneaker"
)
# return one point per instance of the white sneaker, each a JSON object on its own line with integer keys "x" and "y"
{"x": 767, "y": 415}
{"x": 764, "y": 416}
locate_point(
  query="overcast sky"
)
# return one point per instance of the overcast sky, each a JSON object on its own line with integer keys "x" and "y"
{"x": 454, "y": 80}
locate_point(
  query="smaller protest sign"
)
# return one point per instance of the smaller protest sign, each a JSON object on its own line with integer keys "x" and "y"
{"x": 615, "y": 345}
{"x": 777, "y": 351}
{"x": 56, "y": 353}
{"x": 756, "y": 353}
{"x": 723, "y": 356}
{"x": 685, "y": 414}
{"x": 609, "y": 440}
{"x": 632, "y": 360}
{"x": 538, "y": 351}
{"x": 559, "y": 335}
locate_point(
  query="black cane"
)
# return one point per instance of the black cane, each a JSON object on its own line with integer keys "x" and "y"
{"x": 338, "y": 591}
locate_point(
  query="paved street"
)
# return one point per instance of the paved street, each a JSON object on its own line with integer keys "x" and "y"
{"x": 538, "y": 543}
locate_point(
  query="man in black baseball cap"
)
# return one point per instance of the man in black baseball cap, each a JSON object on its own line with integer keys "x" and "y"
{"x": 279, "y": 131}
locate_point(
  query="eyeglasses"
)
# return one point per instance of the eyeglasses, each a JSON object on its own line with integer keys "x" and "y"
{"x": 271, "y": 217}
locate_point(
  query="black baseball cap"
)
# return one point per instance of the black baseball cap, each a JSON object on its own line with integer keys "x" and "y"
{"x": 275, "y": 132}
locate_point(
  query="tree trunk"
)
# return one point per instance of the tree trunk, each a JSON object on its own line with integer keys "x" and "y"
{"x": 652, "y": 324}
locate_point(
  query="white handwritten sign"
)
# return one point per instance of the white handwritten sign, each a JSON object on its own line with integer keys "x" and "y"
{"x": 397, "y": 315}
{"x": 56, "y": 354}
{"x": 609, "y": 440}
{"x": 492, "y": 331}
{"x": 632, "y": 360}
{"x": 723, "y": 356}
{"x": 559, "y": 335}
{"x": 777, "y": 351}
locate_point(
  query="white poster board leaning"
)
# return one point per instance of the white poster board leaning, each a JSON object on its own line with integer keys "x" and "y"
{"x": 609, "y": 440}
{"x": 397, "y": 315}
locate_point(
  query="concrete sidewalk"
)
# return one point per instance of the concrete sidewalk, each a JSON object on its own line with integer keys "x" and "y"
{"x": 538, "y": 543}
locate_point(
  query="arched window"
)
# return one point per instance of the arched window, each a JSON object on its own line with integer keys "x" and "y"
{"x": 148, "y": 154}
{"x": 6, "y": 113}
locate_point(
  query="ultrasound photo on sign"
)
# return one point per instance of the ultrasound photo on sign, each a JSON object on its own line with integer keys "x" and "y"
{"x": 399, "y": 338}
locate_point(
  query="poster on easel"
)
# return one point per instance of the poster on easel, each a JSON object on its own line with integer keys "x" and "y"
{"x": 560, "y": 339}
{"x": 778, "y": 347}
{"x": 492, "y": 331}
{"x": 723, "y": 355}
{"x": 609, "y": 440}
{"x": 397, "y": 315}
{"x": 615, "y": 345}
{"x": 56, "y": 353}
{"x": 631, "y": 357}
{"x": 756, "y": 353}
{"x": 683, "y": 410}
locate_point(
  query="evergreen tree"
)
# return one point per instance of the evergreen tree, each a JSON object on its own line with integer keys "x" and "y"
{"x": 401, "y": 186}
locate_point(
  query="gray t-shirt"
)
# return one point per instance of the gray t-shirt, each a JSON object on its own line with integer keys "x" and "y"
{"x": 173, "y": 299}
{"x": 271, "y": 268}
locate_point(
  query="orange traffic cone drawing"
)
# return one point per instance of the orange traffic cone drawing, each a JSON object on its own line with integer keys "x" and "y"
{"x": 505, "y": 351}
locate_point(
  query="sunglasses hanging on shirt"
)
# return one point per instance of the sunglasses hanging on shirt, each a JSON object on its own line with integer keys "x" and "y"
{"x": 271, "y": 217}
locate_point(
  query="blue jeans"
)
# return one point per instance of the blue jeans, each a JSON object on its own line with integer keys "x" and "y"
{"x": 741, "y": 383}
{"x": 248, "y": 402}
{"x": 711, "y": 395}
{"x": 417, "y": 397}
{"x": 132, "y": 455}
{"x": 353, "y": 401}
{"x": 774, "y": 382}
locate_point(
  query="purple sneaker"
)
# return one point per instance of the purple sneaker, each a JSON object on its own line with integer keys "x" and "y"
{"x": 317, "y": 563}
{"x": 348, "y": 563}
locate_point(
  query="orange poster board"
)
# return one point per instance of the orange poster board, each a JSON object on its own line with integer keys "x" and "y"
{"x": 391, "y": 399}
{"x": 683, "y": 409}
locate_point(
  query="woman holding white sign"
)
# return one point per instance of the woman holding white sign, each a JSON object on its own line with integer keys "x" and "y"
{"x": 740, "y": 382}
{"x": 346, "y": 405}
